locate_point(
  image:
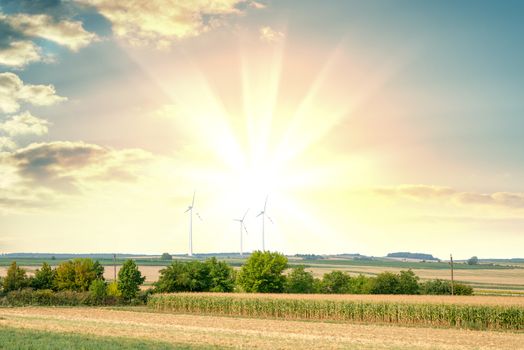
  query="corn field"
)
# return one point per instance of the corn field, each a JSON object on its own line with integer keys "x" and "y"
{"x": 485, "y": 317}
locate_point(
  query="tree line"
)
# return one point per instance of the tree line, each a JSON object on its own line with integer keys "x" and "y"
{"x": 263, "y": 272}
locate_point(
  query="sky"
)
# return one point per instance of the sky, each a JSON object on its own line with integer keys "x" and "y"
{"x": 370, "y": 126}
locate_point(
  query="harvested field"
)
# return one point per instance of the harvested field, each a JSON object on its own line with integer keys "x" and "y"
{"x": 250, "y": 333}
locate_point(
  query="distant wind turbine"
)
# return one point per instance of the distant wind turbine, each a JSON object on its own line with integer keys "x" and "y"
{"x": 263, "y": 214}
{"x": 242, "y": 228}
{"x": 190, "y": 210}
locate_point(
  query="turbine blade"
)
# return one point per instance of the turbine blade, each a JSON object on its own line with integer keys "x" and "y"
{"x": 261, "y": 213}
{"x": 265, "y": 203}
{"x": 188, "y": 209}
{"x": 193, "y": 202}
{"x": 245, "y": 229}
{"x": 198, "y": 215}
{"x": 243, "y": 217}
{"x": 270, "y": 219}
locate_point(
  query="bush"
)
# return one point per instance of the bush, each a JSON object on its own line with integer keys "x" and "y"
{"x": 221, "y": 276}
{"x": 129, "y": 280}
{"x": 300, "y": 281}
{"x": 408, "y": 283}
{"x": 44, "y": 278}
{"x": 262, "y": 273}
{"x": 336, "y": 282}
{"x": 440, "y": 287}
{"x": 386, "y": 283}
{"x": 98, "y": 291}
{"x": 113, "y": 291}
{"x": 473, "y": 260}
{"x": 195, "y": 276}
{"x": 360, "y": 284}
{"x": 15, "y": 278}
{"x": 78, "y": 274}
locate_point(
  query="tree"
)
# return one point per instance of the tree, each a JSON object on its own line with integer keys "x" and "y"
{"x": 98, "y": 290}
{"x": 15, "y": 278}
{"x": 129, "y": 280}
{"x": 77, "y": 274}
{"x": 300, "y": 281}
{"x": 386, "y": 283}
{"x": 336, "y": 282}
{"x": 166, "y": 256}
{"x": 473, "y": 260}
{"x": 44, "y": 278}
{"x": 408, "y": 282}
{"x": 360, "y": 284}
{"x": 99, "y": 270}
{"x": 263, "y": 273}
{"x": 221, "y": 276}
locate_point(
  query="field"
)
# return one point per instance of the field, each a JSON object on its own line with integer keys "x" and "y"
{"x": 199, "y": 331}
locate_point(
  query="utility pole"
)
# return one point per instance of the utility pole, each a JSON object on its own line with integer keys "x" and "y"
{"x": 451, "y": 263}
{"x": 114, "y": 266}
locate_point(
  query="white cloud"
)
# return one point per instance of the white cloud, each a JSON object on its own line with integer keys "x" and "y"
{"x": 257, "y": 5}
{"x": 13, "y": 91}
{"x": 24, "y": 124}
{"x": 6, "y": 144}
{"x": 70, "y": 34}
{"x": 270, "y": 35}
{"x": 19, "y": 54}
{"x": 161, "y": 21}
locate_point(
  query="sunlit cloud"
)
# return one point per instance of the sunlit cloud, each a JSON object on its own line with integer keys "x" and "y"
{"x": 70, "y": 34}
{"x": 13, "y": 92}
{"x": 270, "y": 35}
{"x": 6, "y": 143}
{"x": 24, "y": 124}
{"x": 160, "y": 22}
{"x": 19, "y": 53}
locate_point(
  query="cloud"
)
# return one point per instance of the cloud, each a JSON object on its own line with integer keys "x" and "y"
{"x": 508, "y": 200}
{"x": 24, "y": 124}
{"x": 64, "y": 166}
{"x": 6, "y": 144}
{"x": 257, "y": 5}
{"x": 270, "y": 35}
{"x": 19, "y": 53}
{"x": 13, "y": 91}
{"x": 159, "y": 22}
{"x": 70, "y": 34}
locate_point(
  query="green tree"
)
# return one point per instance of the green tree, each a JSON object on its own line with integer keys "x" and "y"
{"x": 408, "y": 283}
{"x": 129, "y": 279}
{"x": 473, "y": 260}
{"x": 300, "y": 281}
{"x": 98, "y": 291}
{"x": 360, "y": 284}
{"x": 44, "y": 277}
{"x": 166, "y": 256}
{"x": 221, "y": 276}
{"x": 386, "y": 283}
{"x": 99, "y": 270}
{"x": 263, "y": 273}
{"x": 77, "y": 274}
{"x": 184, "y": 277}
{"x": 336, "y": 282}
{"x": 15, "y": 278}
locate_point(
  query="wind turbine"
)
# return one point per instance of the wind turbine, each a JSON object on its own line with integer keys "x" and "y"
{"x": 263, "y": 213}
{"x": 190, "y": 210}
{"x": 242, "y": 228}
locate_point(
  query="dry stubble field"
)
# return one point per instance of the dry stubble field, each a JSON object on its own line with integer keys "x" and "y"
{"x": 229, "y": 332}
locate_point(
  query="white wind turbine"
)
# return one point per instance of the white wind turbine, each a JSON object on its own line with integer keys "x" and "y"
{"x": 242, "y": 228}
{"x": 190, "y": 210}
{"x": 263, "y": 213}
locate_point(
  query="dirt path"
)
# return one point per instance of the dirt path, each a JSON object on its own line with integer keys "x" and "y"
{"x": 250, "y": 333}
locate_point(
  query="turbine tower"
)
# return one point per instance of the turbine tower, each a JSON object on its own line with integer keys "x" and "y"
{"x": 242, "y": 228}
{"x": 190, "y": 210}
{"x": 263, "y": 214}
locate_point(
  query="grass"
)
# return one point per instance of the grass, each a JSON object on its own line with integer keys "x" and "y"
{"x": 21, "y": 339}
{"x": 319, "y": 308}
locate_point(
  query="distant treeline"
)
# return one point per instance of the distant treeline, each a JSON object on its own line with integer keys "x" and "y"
{"x": 408, "y": 255}
{"x": 81, "y": 282}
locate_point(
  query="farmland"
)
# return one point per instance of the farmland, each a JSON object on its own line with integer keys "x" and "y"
{"x": 230, "y": 332}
